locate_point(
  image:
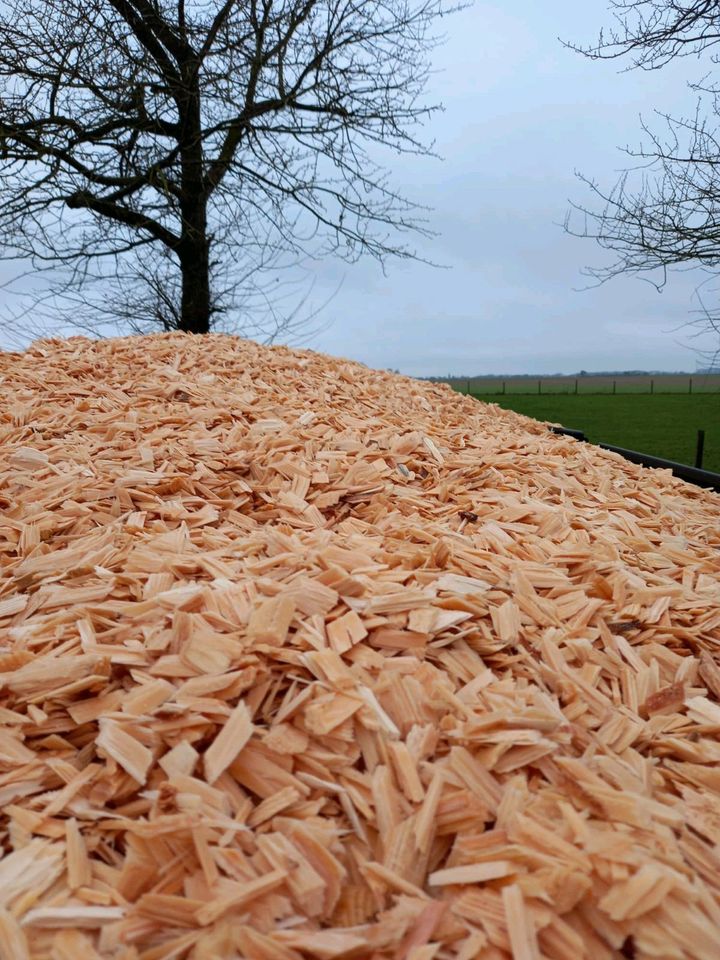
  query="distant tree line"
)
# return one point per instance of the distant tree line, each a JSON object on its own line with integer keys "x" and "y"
{"x": 580, "y": 373}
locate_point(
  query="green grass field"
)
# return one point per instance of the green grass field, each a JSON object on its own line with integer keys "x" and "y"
{"x": 661, "y": 425}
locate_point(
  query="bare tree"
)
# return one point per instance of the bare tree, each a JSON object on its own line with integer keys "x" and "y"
{"x": 664, "y": 212}
{"x": 182, "y": 154}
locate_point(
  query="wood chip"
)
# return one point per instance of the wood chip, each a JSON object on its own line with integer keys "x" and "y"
{"x": 228, "y": 744}
{"x": 245, "y": 894}
{"x": 78, "y": 864}
{"x": 124, "y": 749}
{"x": 300, "y": 659}
{"x": 13, "y": 942}
{"x": 271, "y": 620}
{"x": 520, "y": 927}
{"x": 64, "y": 917}
{"x": 471, "y": 873}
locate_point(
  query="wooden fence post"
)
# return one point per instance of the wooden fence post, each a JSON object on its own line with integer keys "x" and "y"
{"x": 652, "y": 386}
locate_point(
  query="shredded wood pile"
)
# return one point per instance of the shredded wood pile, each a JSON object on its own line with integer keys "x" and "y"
{"x": 304, "y": 660}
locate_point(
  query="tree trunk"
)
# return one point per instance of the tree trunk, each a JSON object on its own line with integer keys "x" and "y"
{"x": 194, "y": 249}
{"x": 195, "y": 272}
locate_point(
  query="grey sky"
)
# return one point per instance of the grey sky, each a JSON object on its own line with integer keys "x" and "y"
{"x": 522, "y": 113}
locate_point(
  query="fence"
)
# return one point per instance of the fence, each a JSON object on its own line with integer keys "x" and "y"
{"x": 585, "y": 385}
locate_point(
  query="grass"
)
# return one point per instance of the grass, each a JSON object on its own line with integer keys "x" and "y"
{"x": 661, "y": 425}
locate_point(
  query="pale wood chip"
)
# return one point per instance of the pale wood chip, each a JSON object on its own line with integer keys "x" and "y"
{"x": 181, "y": 760}
{"x": 74, "y": 916}
{"x": 229, "y": 742}
{"x": 132, "y": 756}
{"x": 472, "y": 873}
{"x": 13, "y": 605}
{"x": 520, "y": 926}
{"x": 78, "y": 865}
{"x": 13, "y": 942}
{"x": 270, "y": 621}
{"x": 243, "y": 895}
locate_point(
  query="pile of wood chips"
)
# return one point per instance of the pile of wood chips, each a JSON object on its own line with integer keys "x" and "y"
{"x": 304, "y": 660}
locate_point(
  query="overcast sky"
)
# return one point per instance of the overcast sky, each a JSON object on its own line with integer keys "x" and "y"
{"x": 522, "y": 113}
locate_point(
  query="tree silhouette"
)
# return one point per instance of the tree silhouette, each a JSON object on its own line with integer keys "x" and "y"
{"x": 665, "y": 212}
{"x": 185, "y": 153}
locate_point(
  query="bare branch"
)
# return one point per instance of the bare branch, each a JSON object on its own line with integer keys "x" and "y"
{"x": 196, "y": 145}
{"x": 654, "y": 32}
{"x": 663, "y": 213}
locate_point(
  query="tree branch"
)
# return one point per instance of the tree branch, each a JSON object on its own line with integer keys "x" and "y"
{"x": 129, "y": 218}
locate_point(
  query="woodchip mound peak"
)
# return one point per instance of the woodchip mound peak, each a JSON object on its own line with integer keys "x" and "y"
{"x": 304, "y": 660}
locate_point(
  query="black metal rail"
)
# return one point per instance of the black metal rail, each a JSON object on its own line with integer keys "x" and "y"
{"x": 683, "y": 471}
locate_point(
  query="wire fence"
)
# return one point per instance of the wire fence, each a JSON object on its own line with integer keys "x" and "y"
{"x": 585, "y": 385}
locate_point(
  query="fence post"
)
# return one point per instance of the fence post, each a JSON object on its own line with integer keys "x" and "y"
{"x": 700, "y": 449}
{"x": 690, "y": 386}
{"x": 468, "y": 386}
{"x": 539, "y": 382}
{"x": 614, "y": 386}
{"x": 575, "y": 384}
{"x": 652, "y": 386}
{"x": 503, "y": 388}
